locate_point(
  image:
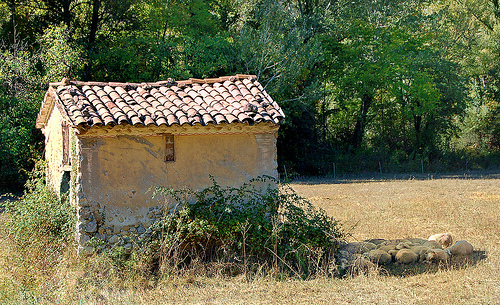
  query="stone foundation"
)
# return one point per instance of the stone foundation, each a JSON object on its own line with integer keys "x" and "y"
{"x": 93, "y": 225}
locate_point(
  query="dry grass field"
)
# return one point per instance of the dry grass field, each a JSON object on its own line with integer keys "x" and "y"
{"x": 389, "y": 209}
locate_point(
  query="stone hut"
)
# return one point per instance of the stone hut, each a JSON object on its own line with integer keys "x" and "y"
{"x": 107, "y": 144}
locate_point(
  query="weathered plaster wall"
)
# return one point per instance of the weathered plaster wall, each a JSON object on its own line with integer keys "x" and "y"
{"x": 54, "y": 149}
{"x": 117, "y": 172}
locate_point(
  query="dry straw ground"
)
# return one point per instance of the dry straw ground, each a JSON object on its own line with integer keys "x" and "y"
{"x": 389, "y": 209}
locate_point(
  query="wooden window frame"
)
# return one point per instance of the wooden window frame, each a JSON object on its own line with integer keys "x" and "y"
{"x": 66, "y": 160}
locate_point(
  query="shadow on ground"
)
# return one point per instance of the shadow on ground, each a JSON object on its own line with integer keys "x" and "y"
{"x": 400, "y": 257}
{"x": 456, "y": 263}
{"x": 5, "y": 198}
{"x": 377, "y": 177}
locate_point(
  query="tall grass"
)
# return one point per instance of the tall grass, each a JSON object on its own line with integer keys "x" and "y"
{"x": 216, "y": 232}
{"x": 38, "y": 229}
{"x": 386, "y": 209}
{"x": 374, "y": 209}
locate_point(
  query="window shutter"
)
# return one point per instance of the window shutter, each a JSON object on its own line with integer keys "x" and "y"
{"x": 65, "y": 144}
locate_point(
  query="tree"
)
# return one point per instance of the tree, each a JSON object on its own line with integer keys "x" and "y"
{"x": 19, "y": 104}
{"x": 281, "y": 51}
{"x": 473, "y": 30}
{"x": 390, "y": 89}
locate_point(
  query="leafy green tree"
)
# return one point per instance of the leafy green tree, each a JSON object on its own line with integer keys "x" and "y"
{"x": 390, "y": 88}
{"x": 374, "y": 79}
{"x": 60, "y": 57}
{"x": 472, "y": 27}
{"x": 20, "y": 142}
{"x": 429, "y": 91}
{"x": 281, "y": 51}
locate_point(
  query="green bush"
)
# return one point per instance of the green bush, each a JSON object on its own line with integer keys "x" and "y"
{"x": 38, "y": 227}
{"x": 247, "y": 227}
{"x": 40, "y": 217}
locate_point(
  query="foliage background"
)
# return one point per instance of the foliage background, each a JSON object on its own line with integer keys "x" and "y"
{"x": 386, "y": 86}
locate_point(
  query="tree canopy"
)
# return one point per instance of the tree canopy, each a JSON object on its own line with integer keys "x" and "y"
{"x": 361, "y": 82}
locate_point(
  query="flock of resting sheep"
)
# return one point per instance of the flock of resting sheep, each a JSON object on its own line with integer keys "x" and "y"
{"x": 437, "y": 248}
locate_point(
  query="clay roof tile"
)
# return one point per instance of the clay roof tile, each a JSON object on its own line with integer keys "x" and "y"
{"x": 238, "y": 98}
{"x": 172, "y": 119}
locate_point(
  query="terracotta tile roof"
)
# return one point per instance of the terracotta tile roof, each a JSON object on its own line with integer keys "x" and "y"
{"x": 229, "y": 99}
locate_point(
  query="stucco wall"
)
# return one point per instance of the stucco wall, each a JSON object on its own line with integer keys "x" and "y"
{"x": 54, "y": 150}
{"x": 117, "y": 172}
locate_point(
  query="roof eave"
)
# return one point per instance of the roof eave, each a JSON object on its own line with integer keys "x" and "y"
{"x": 49, "y": 101}
{"x": 45, "y": 110}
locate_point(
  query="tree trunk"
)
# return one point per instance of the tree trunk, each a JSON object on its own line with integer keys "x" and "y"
{"x": 359, "y": 129}
{"x": 96, "y": 5}
{"x": 417, "y": 123}
{"x": 417, "y": 126}
{"x": 66, "y": 13}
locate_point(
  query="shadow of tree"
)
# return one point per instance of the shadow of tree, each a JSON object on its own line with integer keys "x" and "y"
{"x": 4, "y": 199}
{"x": 376, "y": 177}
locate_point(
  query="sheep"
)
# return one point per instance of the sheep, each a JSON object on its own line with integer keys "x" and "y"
{"x": 406, "y": 256}
{"x": 461, "y": 247}
{"x": 432, "y": 244}
{"x": 379, "y": 256}
{"x": 421, "y": 251}
{"x": 444, "y": 239}
{"x": 404, "y": 245}
{"x": 436, "y": 255}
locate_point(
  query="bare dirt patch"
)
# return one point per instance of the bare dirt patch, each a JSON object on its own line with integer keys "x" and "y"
{"x": 411, "y": 208}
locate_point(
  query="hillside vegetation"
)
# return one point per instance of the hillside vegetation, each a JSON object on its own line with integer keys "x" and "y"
{"x": 391, "y": 86}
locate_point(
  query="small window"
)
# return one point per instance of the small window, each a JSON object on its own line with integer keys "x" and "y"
{"x": 64, "y": 187}
{"x": 169, "y": 148}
